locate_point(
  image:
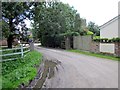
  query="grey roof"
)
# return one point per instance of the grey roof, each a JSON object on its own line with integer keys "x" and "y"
{"x": 110, "y": 21}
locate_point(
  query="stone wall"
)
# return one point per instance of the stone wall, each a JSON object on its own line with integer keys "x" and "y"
{"x": 85, "y": 43}
{"x": 117, "y": 49}
{"x": 95, "y": 47}
{"x": 82, "y": 42}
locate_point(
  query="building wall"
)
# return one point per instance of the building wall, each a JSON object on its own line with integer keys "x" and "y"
{"x": 107, "y": 48}
{"x": 119, "y": 18}
{"x": 118, "y": 27}
{"x": 109, "y": 30}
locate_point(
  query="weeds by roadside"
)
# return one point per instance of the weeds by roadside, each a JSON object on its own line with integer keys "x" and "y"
{"x": 21, "y": 71}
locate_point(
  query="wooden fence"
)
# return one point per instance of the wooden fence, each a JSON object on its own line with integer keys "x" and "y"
{"x": 21, "y": 52}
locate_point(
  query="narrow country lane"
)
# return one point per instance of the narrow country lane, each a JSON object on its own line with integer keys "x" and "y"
{"x": 80, "y": 71}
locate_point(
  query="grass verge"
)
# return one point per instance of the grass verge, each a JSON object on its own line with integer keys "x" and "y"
{"x": 20, "y": 71}
{"x": 96, "y": 55}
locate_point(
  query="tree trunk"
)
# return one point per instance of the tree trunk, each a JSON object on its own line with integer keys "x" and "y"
{"x": 10, "y": 38}
{"x": 9, "y": 41}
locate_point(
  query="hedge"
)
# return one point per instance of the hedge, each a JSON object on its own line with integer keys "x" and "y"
{"x": 106, "y": 40}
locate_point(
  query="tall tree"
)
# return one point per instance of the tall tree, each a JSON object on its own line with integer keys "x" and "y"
{"x": 13, "y": 13}
{"x": 54, "y": 21}
{"x": 94, "y": 28}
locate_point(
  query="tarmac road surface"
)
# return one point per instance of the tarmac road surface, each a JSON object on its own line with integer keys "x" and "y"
{"x": 80, "y": 71}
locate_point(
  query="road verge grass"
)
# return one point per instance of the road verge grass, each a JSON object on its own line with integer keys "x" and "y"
{"x": 20, "y": 71}
{"x": 100, "y": 55}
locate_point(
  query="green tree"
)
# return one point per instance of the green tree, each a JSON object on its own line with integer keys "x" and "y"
{"x": 13, "y": 14}
{"x": 94, "y": 28}
{"x": 55, "y": 21}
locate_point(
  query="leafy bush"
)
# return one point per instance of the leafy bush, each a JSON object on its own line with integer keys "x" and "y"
{"x": 18, "y": 76}
{"x": 96, "y": 37}
{"x": 116, "y": 39}
{"x": 21, "y": 70}
{"x": 89, "y": 33}
{"x": 96, "y": 40}
{"x": 106, "y": 40}
{"x": 110, "y": 41}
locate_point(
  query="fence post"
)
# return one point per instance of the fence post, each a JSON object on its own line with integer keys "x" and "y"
{"x": 21, "y": 51}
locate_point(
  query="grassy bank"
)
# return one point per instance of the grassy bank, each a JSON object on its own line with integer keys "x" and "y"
{"x": 96, "y": 55}
{"x": 20, "y": 71}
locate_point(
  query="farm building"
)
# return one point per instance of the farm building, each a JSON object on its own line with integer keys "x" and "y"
{"x": 109, "y": 30}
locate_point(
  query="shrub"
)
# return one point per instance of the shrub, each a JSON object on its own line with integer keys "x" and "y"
{"x": 106, "y": 40}
{"x": 89, "y": 33}
{"x": 110, "y": 41}
{"x": 96, "y": 40}
{"x": 116, "y": 39}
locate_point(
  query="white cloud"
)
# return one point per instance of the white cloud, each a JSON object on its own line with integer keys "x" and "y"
{"x": 98, "y": 11}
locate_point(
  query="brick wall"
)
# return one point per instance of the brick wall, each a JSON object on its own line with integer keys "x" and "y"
{"x": 117, "y": 49}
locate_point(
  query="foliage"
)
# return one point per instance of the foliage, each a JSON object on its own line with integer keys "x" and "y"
{"x": 106, "y": 40}
{"x": 89, "y": 33}
{"x": 21, "y": 70}
{"x": 14, "y": 14}
{"x": 5, "y": 29}
{"x": 94, "y": 28}
{"x": 96, "y": 37}
{"x": 116, "y": 39}
{"x": 54, "y": 21}
{"x": 0, "y": 82}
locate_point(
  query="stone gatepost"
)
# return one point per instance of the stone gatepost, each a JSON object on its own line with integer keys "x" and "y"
{"x": 31, "y": 46}
{"x": 67, "y": 43}
{"x": 117, "y": 49}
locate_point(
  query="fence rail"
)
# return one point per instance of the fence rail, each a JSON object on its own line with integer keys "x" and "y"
{"x": 21, "y": 52}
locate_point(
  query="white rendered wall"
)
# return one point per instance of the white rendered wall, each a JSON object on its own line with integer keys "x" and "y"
{"x": 110, "y": 30}
{"x": 107, "y": 47}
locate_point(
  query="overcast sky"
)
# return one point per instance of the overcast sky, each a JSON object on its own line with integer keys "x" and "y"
{"x": 98, "y": 11}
